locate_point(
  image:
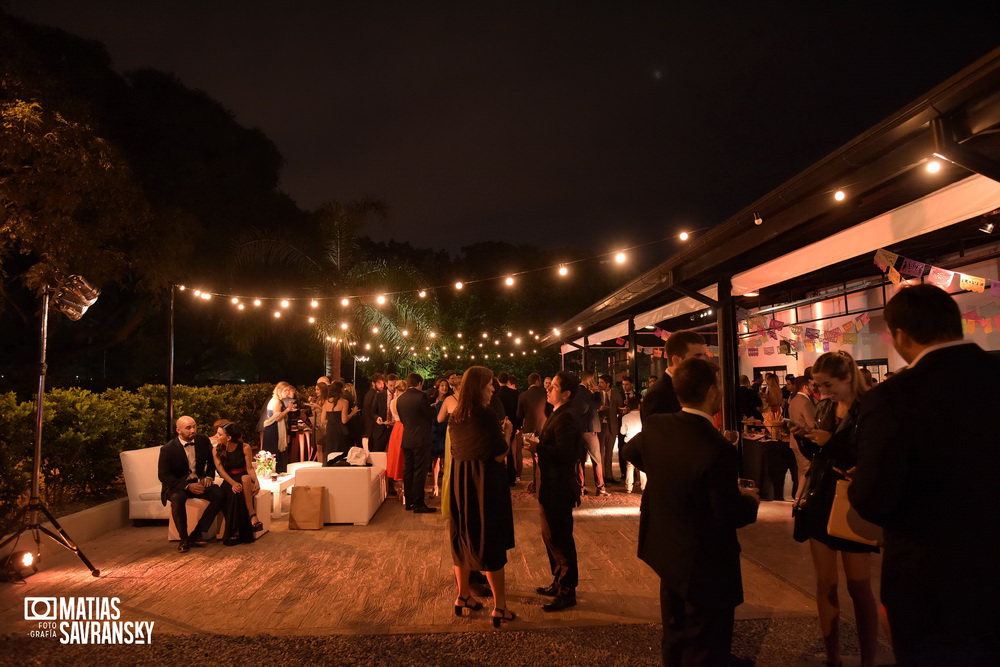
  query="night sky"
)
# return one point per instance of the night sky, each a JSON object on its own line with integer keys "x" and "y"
{"x": 590, "y": 125}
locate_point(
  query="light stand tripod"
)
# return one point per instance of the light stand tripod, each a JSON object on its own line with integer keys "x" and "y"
{"x": 75, "y": 296}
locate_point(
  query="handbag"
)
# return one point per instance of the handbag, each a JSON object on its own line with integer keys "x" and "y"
{"x": 306, "y": 511}
{"x": 847, "y": 524}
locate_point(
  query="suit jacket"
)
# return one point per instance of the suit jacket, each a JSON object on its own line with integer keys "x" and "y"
{"x": 691, "y": 508}
{"x": 660, "y": 399}
{"x": 928, "y": 458}
{"x": 560, "y": 448}
{"x": 417, "y": 415}
{"x": 611, "y": 415}
{"x": 509, "y": 398}
{"x": 368, "y": 412}
{"x": 172, "y": 466}
{"x": 531, "y": 409}
{"x": 585, "y": 403}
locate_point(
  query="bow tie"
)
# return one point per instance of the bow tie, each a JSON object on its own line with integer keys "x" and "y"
{"x": 189, "y": 444}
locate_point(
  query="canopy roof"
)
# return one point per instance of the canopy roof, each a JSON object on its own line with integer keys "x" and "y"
{"x": 891, "y": 202}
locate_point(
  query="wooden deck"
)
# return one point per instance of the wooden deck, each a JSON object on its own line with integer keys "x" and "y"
{"x": 394, "y": 576}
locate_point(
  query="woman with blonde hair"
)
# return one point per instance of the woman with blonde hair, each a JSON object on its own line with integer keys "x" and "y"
{"x": 481, "y": 518}
{"x": 394, "y": 452}
{"x": 275, "y": 432}
{"x": 834, "y": 455}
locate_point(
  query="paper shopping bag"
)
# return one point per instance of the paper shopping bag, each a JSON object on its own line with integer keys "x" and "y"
{"x": 306, "y": 511}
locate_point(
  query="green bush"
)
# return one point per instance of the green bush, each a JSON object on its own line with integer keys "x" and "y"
{"x": 83, "y": 433}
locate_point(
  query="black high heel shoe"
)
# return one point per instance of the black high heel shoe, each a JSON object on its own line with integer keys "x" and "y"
{"x": 504, "y": 617}
{"x": 256, "y": 525}
{"x": 467, "y": 603}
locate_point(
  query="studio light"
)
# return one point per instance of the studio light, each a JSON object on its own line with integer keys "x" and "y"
{"x": 987, "y": 227}
{"x": 74, "y": 296}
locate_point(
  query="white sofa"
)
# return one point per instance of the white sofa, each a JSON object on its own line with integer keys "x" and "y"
{"x": 353, "y": 493}
{"x": 143, "y": 484}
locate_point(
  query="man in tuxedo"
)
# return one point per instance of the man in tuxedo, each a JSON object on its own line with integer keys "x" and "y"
{"x": 382, "y": 429}
{"x": 417, "y": 415}
{"x": 928, "y": 456}
{"x": 688, "y": 519}
{"x": 660, "y": 398}
{"x": 609, "y": 413}
{"x": 559, "y": 448}
{"x": 187, "y": 470}
{"x": 368, "y": 410}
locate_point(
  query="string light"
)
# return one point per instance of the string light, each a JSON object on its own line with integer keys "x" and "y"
{"x": 509, "y": 281}
{"x": 314, "y": 303}
{"x": 459, "y": 285}
{"x": 684, "y": 236}
{"x": 563, "y": 270}
{"x": 422, "y": 293}
{"x": 312, "y": 320}
{"x": 840, "y": 195}
{"x": 345, "y": 302}
{"x": 620, "y": 257}
{"x": 284, "y": 303}
{"x": 277, "y": 313}
{"x": 257, "y": 303}
{"x": 234, "y": 301}
{"x": 380, "y": 299}
{"x": 933, "y": 167}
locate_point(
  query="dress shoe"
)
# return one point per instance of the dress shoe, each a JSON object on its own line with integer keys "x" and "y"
{"x": 551, "y": 590}
{"x": 602, "y": 492}
{"x": 424, "y": 509}
{"x": 183, "y": 547}
{"x": 407, "y": 507}
{"x": 561, "y": 602}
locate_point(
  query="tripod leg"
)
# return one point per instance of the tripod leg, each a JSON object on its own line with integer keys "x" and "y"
{"x": 63, "y": 539}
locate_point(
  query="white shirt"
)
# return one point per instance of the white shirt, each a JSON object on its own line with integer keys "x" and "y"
{"x": 631, "y": 425}
{"x": 710, "y": 418}
{"x": 189, "y": 452}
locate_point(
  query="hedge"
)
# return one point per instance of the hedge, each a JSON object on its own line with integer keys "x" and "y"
{"x": 83, "y": 433}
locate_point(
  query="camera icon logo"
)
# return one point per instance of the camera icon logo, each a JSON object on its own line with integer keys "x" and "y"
{"x": 41, "y": 609}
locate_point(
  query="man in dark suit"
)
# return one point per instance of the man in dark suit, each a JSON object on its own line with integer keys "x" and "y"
{"x": 368, "y": 410}
{"x": 688, "y": 519}
{"x": 559, "y": 447}
{"x": 609, "y": 413}
{"x": 929, "y": 452}
{"x": 417, "y": 415}
{"x": 660, "y": 399}
{"x": 187, "y": 470}
{"x": 531, "y": 414}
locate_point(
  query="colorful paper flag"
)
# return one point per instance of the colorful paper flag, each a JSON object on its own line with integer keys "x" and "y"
{"x": 826, "y": 347}
{"x": 777, "y": 324}
{"x": 849, "y": 326}
{"x": 769, "y": 350}
{"x": 619, "y": 341}
{"x": 850, "y": 339}
{"x": 773, "y": 334}
{"x": 753, "y": 352}
{"x": 995, "y": 288}
{"x": 812, "y": 334}
{"x": 796, "y": 330}
{"x": 940, "y": 277}
{"x": 969, "y": 326}
{"x": 972, "y": 283}
{"x": 885, "y": 259}
{"x": 894, "y": 276}
{"x": 912, "y": 267}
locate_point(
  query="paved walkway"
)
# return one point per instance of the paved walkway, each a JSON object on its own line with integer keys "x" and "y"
{"x": 382, "y": 594}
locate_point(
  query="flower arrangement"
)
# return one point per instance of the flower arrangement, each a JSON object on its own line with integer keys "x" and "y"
{"x": 264, "y": 463}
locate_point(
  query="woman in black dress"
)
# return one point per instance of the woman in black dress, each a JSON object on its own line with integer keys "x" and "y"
{"x": 834, "y": 455}
{"x": 481, "y": 519}
{"x": 234, "y": 462}
{"x": 338, "y": 414}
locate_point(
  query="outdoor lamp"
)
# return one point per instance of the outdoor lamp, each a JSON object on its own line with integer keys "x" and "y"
{"x": 19, "y": 564}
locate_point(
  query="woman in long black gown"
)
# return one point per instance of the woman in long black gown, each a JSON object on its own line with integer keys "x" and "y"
{"x": 481, "y": 519}
{"x": 234, "y": 462}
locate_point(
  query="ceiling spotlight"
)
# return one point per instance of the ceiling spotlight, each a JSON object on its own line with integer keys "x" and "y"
{"x": 752, "y": 293}
{"x": 757, "y": 220}
{"x": 563, "y": 270}
{"x": 620, "y": 257}
{"x": 986, "y": 227}
{"x": 933, "y": 167}
{"x": 840, "y": 195}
